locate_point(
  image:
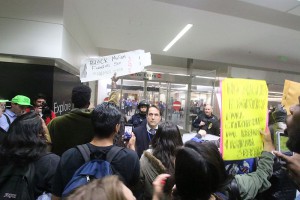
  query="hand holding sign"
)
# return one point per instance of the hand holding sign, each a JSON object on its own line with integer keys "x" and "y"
{"x": 268, "y": 143}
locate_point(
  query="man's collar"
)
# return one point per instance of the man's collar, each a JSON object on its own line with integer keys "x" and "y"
{"x": 10, "y": 113}
{"x": 148, "y": 127}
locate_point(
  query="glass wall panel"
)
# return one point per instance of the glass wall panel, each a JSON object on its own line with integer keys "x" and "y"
{"x": 132, "y": 93}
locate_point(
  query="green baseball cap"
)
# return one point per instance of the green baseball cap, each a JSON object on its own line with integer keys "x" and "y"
{"x": 21, "y": 100}
{"x": 3, "y": 100}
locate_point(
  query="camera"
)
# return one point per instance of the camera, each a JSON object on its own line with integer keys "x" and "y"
{"x": 279, "y": 114}
{"x": 127, "y": 132}
{"x": 46, "y": 111}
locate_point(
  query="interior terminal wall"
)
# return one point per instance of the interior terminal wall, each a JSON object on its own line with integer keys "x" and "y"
{"x": 47, "y": 29}
{"x": 25, "y": 79}
{"x": 31, "y": 79}
{"x": 30, "y": 38}
{"x": 273, "y": 77}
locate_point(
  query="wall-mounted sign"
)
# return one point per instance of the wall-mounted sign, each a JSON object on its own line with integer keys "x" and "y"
{"x": 146, "y": 76}
{"x": 176, "y": 105}
{"x": 122, "y": 64}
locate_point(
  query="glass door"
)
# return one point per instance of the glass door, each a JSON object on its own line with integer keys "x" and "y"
{"x": 163, "y": 97}
{"x": 203, "y": 89}
{"x": 132, "y": 93}
{"x": 177, "y": 104}
{"x": 157, "y": 94}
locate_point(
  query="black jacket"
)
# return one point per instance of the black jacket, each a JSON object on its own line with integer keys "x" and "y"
{"x": 143, "y": 138}
{"x": 212, "y": 124}
{"x": 3, "y": 134}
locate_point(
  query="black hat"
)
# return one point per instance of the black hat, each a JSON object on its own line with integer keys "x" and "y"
{"x": 143, "y": 103}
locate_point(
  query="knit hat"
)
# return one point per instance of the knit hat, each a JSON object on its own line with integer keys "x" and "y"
{"x": 21, "y": 100}
{"x": 113, "y": 98}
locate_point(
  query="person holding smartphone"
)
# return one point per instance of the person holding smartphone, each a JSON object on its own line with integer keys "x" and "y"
{"x": 128, "y": 137}
{"x": 293, "y": 143}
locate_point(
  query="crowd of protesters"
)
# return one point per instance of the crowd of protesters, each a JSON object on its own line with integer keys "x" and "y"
{"x": 153, "y": 163}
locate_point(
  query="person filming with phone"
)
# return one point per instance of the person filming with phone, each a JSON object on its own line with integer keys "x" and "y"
{"x": 293, "y": 144}
{"x": 41, "y": 107}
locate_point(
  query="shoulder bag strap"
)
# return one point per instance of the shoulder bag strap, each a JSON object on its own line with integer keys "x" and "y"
{"x": 234, "y": 189}
{"x": 85, "y": 152}
{"x": 7, "y": 118}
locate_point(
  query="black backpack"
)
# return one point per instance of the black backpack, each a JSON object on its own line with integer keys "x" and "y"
{"x": 16, "y": 182}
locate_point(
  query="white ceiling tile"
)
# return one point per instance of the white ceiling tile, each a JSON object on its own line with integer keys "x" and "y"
{"x": 281, "y": 5}
{"x": 295, "y": 11}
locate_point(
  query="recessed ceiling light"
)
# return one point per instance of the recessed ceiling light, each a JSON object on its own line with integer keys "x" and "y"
{"x": 178, "y": 36}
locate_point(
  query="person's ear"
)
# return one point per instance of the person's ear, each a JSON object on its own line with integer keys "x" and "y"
{"x": 117, "y": 128}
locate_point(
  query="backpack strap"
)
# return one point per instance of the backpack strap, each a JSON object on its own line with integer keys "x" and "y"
{"x": 112, "y": 153}
{"x": 30, "y": 178}
{"x": 7, "y": 118}
{"x": 220, "y": 196}
{"x": 85, "y": 152}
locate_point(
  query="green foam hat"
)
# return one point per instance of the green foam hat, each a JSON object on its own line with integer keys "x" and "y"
{"x": 3, "y": 100}
{"x": 21, "y": 100}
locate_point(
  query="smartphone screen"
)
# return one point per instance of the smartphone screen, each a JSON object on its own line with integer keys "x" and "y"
{"x": 127, "y": 131}
{"x": 280, "y": 141}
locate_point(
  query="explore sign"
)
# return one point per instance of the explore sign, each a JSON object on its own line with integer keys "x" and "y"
{"x": 121, "y": 64}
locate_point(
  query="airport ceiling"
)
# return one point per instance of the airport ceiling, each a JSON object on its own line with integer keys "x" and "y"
{"x": 256, "y": 33}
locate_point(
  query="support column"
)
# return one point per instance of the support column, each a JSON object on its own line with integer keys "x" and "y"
{"x": 188, "y": 96}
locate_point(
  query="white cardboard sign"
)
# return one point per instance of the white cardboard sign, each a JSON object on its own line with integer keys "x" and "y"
{"x": 121, "y": 64}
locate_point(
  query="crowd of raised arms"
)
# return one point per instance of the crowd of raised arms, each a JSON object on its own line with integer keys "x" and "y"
{"x": 89, "y": 153}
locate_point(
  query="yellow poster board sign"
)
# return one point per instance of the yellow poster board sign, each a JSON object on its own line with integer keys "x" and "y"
{"x": 244, "y": 114}
{"x": 290, "y": 94}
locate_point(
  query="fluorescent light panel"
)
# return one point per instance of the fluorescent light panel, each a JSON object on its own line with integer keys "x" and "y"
{"x": 206, "y": 77}
{"x": 178, "y": 36}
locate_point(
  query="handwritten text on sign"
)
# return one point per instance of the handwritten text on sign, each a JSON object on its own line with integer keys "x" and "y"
{"x": 244, "y": 108}
{"x": 121, "y": 64}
